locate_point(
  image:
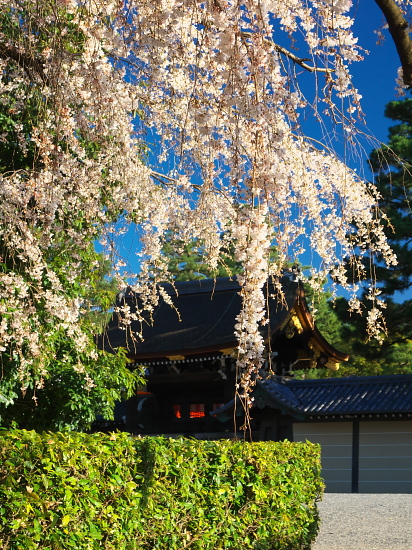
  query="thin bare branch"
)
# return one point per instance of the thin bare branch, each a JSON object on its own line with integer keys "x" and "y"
{"x": 27, "y": 61}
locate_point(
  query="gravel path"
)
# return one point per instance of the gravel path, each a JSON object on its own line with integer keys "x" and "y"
{"x": 365, "y": 522}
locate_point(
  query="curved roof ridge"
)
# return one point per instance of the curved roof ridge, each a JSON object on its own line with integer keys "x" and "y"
{"x": 280, "y": 393}
{"x": 379, "y": 379}
{"x": 218, "y": 284}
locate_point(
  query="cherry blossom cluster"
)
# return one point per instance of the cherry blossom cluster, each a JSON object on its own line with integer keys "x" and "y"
{"x": 253, "y": 243}
{"x": 213, "y": 86}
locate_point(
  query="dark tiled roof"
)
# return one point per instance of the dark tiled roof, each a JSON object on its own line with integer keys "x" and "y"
{"x": 203, "y": 320}
{"x": 278, "y": 395}
{"x": 354, "y": 395}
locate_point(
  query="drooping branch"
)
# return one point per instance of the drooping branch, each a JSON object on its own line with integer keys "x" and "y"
{"x": 299, "y": 61}
{"x": 221, "y": 111}
{"x": 27, "y": 61}
{"x": 399, "y": 29}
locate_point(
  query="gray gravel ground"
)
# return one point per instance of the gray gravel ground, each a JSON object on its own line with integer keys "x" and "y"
{"x": 365, "y": 522}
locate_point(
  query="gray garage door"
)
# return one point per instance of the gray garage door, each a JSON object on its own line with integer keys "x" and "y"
{"x": 384, "y": 463}
{"x": 385, "y": 457}
{"x": 336, "y": 442}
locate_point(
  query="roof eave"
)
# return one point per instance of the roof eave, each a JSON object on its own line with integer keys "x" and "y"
{"x": 308, "y": 324}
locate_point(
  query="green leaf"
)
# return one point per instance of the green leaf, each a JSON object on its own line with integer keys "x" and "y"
{"x": 65, "y": 520}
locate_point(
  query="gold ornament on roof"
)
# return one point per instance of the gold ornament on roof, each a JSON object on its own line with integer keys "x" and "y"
{"x": 332, "y": 365}
{"x": 316, "y": 353}
{"x": 293, "y": 324}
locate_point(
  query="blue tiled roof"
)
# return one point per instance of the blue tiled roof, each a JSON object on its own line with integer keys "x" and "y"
{"x": 354, "y": 395}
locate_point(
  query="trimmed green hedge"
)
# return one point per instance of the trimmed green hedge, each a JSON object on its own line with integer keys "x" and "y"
{"x": 76, "y": 491}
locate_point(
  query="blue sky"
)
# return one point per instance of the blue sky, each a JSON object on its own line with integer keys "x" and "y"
{"x": 374, "y": 78}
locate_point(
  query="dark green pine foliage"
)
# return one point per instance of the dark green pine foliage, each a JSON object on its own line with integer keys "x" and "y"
{"x": 392, "y": 165}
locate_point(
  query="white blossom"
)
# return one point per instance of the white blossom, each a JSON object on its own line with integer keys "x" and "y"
{"x": 208, "y": 82}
